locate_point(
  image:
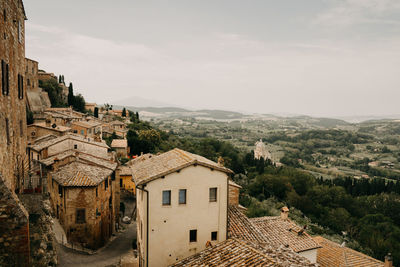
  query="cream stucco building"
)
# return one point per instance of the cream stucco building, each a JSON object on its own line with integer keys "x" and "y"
{"x": 182, "y": 205}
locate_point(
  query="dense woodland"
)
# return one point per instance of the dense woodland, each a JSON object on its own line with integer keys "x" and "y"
{"x": 364, "y": 212}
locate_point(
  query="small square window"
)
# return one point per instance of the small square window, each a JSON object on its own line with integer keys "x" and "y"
{"x": 80, "y": 216}
{"x": 193, "y": 235}
{"x": 166, "y": 197}
{"x": 213, "y": 194}
{"x": 75, "y": 146}
{"x": 182, "y": 196}
{"x": 214, "y": 236}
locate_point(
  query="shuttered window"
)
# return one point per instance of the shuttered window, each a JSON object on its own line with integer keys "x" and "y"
{"x": 166, "y": 197}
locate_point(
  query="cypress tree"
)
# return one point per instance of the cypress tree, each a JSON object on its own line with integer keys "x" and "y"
{"x": 123, "y": 112}
{"x": 70, "y": 95}
{"x": 96, "y": 112}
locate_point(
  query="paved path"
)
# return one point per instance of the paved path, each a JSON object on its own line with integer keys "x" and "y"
{"x": 109, "y": 255}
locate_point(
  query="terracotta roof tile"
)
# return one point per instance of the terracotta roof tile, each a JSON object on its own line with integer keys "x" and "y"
{"x": 80, "y": 174}
{"x": 332, "y": 254}
{"x": 231, "y": 252}
{"x": 285, "y": 232}
{"x": 44, "y": 143}
{"x": 150, "y": 167}
{"x": 241, "y": 227}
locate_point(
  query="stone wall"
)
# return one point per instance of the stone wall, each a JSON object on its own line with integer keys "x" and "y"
{"x": 12, "y": 104}
{"x": 234, "y": 194}
{"x": 14, "y": 229}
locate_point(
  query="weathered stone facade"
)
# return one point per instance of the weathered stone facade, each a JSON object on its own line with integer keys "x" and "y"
{"x": 14, "y": 229}
{"x": 234, "y": 191}
{"x": 13, "y": 95}
{"x": 88, "y": 214}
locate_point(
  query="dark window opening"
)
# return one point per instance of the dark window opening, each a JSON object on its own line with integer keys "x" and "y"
{"x": 60, "y": 192}
{"x": 193, "y": 235}
{"x": 106, "y": 184}
{"x": 97, "y": 192}
{"x": 75, "y": 146}
{"x": 182, "y": 196}
{"x": 166, "y": 197}
{"x": 20, "y": 86}
{"x": 80, "y": 216}
{"x": 120, "y": 182}
{"x": 213, "y": 194}
{"x": 8, "y": 132}
{"x": 4, "y": 15}
{"x": 214, "y": 236}
{"x": 21, "y": 127}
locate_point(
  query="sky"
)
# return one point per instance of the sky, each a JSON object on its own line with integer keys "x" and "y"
{"x": 311, "y": 57}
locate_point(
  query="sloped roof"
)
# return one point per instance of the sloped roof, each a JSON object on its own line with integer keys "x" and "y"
{"x": 38, "y": 146}
{"x": 119, "y": 143}
{"x": 102, "y": 162}
{"x": 241, "y": 227}
{"x": 231, "y": 252}
{"x": 80, "y": 174}
{"x": 285, "y": 232}
{"x": 149, "y": 167}
{"x": 332, "y": 254}
{"x": 58, "y": 128}
{"x": 86, "y": 124}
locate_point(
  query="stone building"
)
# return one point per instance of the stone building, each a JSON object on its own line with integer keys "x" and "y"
{"x": 261, "y": 151}
{"x": 13, "y": 96}
{"x": 83, "y": 195}
{"x": 37, "y": 99}
{"x": 121, "y": 147}
{"x": 182, "y": 202}
{"x": 50, "y": 145}
{"x": 90, "y": 129}
{"x": 14, "y": 219}
{"x": 37, "y": 130}
{"x": 90, "y": 106}
{"x": 126, "y": 182}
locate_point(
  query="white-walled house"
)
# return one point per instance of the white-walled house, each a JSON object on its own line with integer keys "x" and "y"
{"x": 182, "y": 205}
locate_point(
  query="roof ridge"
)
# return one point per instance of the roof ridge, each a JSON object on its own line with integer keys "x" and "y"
{"x": 184, "y": 154}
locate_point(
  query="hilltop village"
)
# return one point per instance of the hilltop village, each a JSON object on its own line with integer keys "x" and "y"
{"x": 65, "y": 172}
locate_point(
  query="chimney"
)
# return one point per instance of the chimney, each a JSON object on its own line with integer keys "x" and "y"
{"x": 388, "y": 260}
{"x": 284, "y": 213}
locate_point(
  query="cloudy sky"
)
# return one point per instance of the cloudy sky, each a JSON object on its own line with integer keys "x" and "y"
{"x": 315, "y": 57}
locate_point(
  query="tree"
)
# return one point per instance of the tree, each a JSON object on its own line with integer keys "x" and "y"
{"x": 79, "y": 103}
{"x": 137, "y": 115}
{"x": 123, "y": 112}
{"x": 96, "y": 112}
{"x": 71, "y": 95}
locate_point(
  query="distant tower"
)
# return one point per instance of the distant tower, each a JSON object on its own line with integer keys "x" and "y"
{"x": 261, "y": 151}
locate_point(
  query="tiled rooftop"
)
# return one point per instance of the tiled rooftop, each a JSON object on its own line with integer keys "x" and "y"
{"x": 284, "y": 232}
{"x": 58, "y": 128}
{"x": 332, "y": 254}
{"x": 119, "y": 143}
{"x": 77, "y": 174}
{"x": 231, "y": 252}
{"x": 86, "y": 124}
{"x": 83, "y": 157}
{"x": 150, "y": 167}
{"x": 242, "y": 228}
{"x": 39, "y": 145}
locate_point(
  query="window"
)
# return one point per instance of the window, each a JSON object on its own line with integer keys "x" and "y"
{"x": 60, "y": 192}
{"x": 8, "y": 132}
{"x": 4, "y": 15}
{"x": 166, "y": 197}
{"x": 193, "y": 235}
{"x": 120, "y": 182}
{"x": 213, "y": 194}
{"x": 214, "y": 236}
{"x": 97, "y": 192}
{"x": 80, "y": 216}
{"x": 75, "y": 146}
{"x": 106, "y": 184}
{"x": 82, "y": 132}
{"x": 7, "y": 80}
{"x": 21, "y": 128}
{"x": 20, "y": 86}
{"x": 4, "y": 77}
{"x": 182, "y": 196}
{"x": 75, "y": 131}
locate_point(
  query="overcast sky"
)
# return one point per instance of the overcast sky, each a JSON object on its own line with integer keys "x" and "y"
{"x": 315, "y": 57}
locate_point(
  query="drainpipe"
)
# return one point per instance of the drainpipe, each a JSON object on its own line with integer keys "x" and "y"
{"x": 147, "y": 222}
